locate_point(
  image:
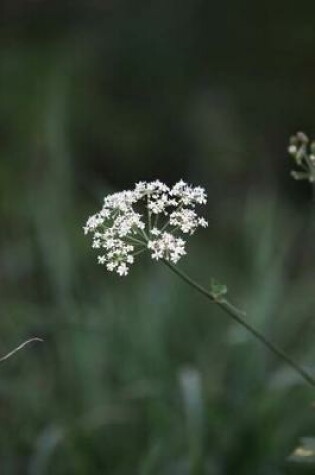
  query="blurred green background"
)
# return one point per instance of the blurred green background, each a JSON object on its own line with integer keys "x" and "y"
{"x": 141, "y": 376}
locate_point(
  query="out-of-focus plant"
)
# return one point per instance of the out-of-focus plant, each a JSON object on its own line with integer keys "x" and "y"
{"x": 303, "y": 152}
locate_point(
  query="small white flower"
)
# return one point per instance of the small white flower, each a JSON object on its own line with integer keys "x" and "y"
{"x": 96, "y": 243}
{"x": 111, "y": 266}
{"x": 292, "y": 149}
{"x": 155, "y": 232}
{"x": 122, "y": 269}
{"x": 152, "y": 216}
{"x": 203, "y": 223}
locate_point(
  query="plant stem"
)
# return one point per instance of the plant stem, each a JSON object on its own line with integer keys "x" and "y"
{"x": 149, "y": 215}
{"x": 238, "y": 316}
{"x": 20, "y": 347}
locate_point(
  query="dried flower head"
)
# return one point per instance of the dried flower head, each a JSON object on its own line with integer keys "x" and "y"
{"x": 151, "y": 217}
{"x": 303, "y": 153}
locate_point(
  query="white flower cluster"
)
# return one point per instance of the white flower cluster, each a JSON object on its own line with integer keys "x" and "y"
{"x": 303, "y": 152}
{"x": 148, "y": 217}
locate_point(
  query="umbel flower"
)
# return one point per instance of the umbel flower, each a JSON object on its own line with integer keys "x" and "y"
{"x": 156, "y": 218}
{"x": 152, "y": 217}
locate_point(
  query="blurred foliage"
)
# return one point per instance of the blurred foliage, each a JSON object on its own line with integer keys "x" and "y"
{"x": 140, "y": 376}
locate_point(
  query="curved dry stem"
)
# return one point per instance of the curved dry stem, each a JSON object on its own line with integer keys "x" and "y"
{"x": 20, "y": 347}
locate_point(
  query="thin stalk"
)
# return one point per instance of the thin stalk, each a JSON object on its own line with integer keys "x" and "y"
{"x": 19, "y": 348}
{"x": 139, "y": 252}
{"x": 149, "y": 215}
{"x": 156, "y": 220}
{"x": 144, "y": 234}
{"x": 135, "y": 240}
{"x": 238, "y": 316}
{"x": 165, "y": 225}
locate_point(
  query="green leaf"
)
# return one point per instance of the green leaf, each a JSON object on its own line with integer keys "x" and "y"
{"x": 218, "y": 289}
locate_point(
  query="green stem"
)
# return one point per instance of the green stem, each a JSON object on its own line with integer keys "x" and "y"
{"x": 137, "y": 253}
{"x": 238, "y": 316}
{"x": 20, "y": 347}
{"x": 135, "y": 240}
{"x": 149, "y": 215}
{"x": 144, "y": 234}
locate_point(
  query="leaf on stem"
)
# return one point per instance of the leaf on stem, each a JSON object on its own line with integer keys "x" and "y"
{"x": 218, "y": 290}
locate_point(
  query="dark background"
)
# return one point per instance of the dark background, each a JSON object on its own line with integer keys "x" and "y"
{"x": 141, "y": 376}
